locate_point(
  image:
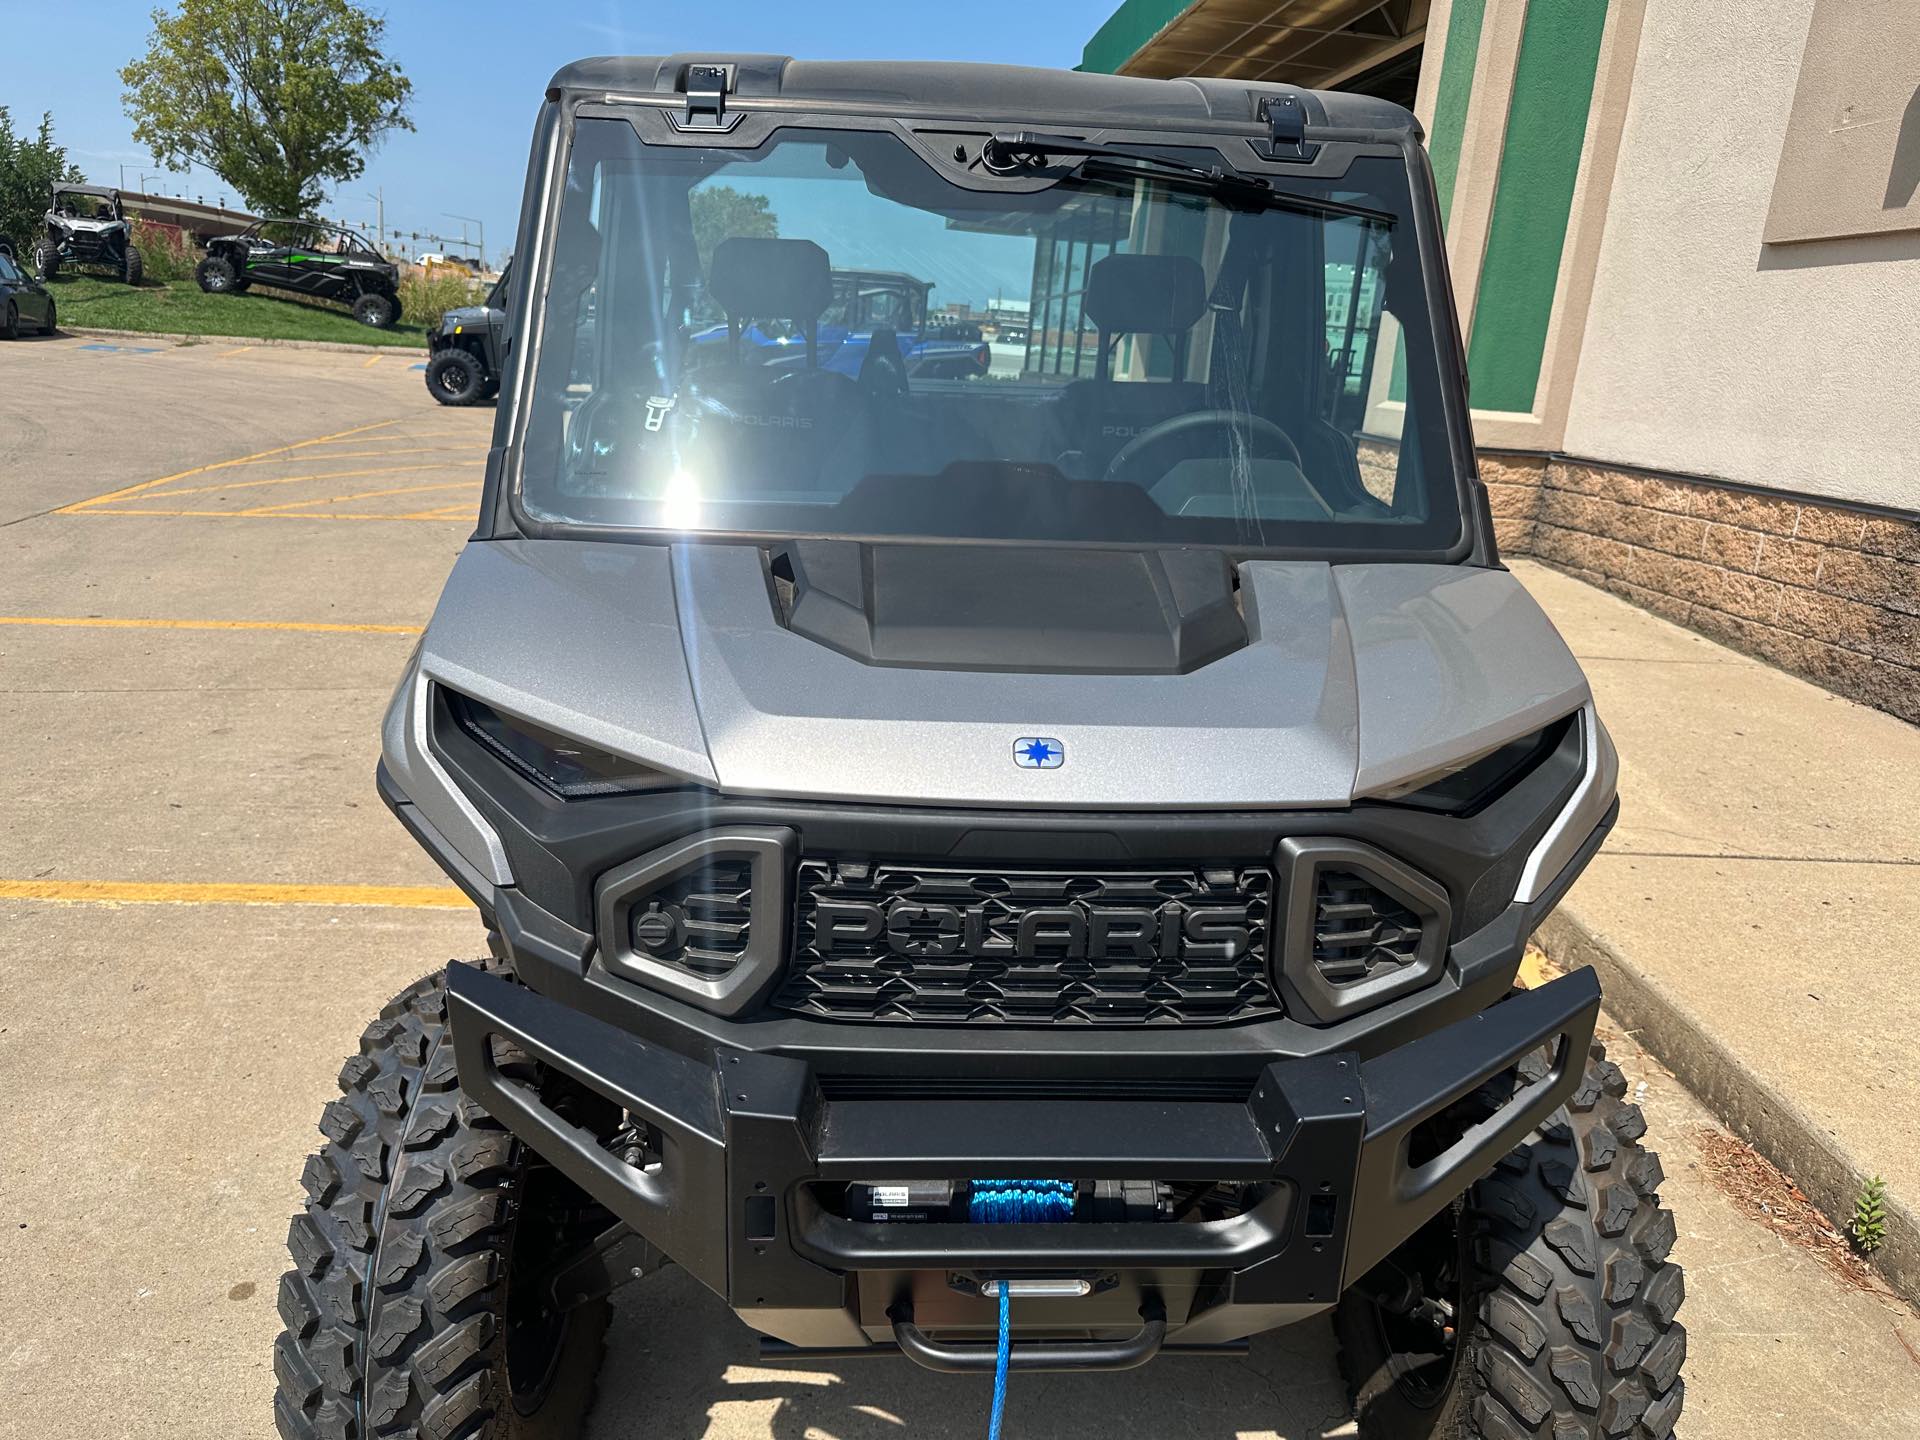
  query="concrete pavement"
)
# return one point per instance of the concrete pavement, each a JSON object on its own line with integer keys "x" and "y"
{"x": 162, "y": 1063}
{"x": 1753, "y": 915}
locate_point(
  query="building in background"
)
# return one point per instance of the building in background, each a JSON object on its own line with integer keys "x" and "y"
{"x": 1686, "y": 244}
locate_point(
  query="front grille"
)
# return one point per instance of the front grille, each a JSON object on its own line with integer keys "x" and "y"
{"x": 1359, "y": 930}
{"x": 884, "y": 942}
{"x": 700, "y": 921}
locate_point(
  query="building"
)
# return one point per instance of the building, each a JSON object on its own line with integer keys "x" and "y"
{"x": 196, "y": 221}
{"x": 1686, "y": 244}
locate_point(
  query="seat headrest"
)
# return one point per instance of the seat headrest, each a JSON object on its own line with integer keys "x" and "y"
{"x": 770, "y": 279}
{"x": 1146, "y": 294}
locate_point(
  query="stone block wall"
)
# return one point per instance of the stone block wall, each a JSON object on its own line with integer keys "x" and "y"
{"x": 1827, "y": 591}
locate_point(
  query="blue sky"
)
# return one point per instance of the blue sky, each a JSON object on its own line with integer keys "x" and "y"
{"x": 478, "y": 69}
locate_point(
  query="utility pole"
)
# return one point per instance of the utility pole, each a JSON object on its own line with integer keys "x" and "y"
{"x": 379, "y": 199}
{"x": 466, "y": 220}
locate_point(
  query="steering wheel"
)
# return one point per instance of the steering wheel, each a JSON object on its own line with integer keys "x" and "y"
{"x": 1180, "y": 425}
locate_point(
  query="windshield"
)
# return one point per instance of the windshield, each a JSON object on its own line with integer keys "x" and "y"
{"x": 826, "y": 336}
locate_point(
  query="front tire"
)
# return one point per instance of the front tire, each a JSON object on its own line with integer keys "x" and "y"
{"x": 10, "y": 323}
{"x": 1563, "y": 1300}
{"x": 53, "y": 319}
{"x": 46, "y": 261}
{"x": 216, "y": 275}
{"x": 132, "y": 268}
{"x": 414, "y": 1306}
{"x": 379, "y": 311}
{"x": 456, "y": 377}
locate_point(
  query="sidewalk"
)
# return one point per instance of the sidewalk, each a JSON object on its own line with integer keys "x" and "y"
{"x": 1755, "y": 916}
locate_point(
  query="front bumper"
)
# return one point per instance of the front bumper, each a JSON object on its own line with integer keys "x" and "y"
{"x": 746, "y": 1139}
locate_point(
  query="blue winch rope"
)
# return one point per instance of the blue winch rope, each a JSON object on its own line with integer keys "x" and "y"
{"x": 1014, "y": 1202}
{"x": 1000, "y": 1361}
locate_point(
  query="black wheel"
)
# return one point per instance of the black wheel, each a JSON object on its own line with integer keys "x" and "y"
{"x": 10, "y": 323}
{"x": 1542, "y": 1305}
{"x": 53, "y": 319}
{"x": 418, "y": 1304}
{"x": 216, "y": 276}
{"x": 377, "y": 310}
{"x": 456, "y": 377}
{"x": 46, "y": 260}
{"x": 132, "y": 268}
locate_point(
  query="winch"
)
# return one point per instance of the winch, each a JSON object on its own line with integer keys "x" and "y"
{"x": 1016, "y": 1201}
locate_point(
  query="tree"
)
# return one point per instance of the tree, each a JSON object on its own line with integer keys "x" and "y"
{"x": 29, "y": 167}
{"x": 720, "y": 211}
{"x": 280, "y": 98}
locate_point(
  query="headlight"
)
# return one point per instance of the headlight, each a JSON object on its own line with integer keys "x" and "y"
{"x": 551, "y": 760}
{"x": 1469, "y": 786}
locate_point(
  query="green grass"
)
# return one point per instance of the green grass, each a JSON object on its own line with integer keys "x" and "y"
{"x": 181, "y": 307}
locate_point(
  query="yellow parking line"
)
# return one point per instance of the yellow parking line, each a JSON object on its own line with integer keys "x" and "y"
{"x": 102, "y": 622}
{"x": 390, "y": 454}
{"x": 1535, "y": 970}
{"x": 356, "y": 495}
{"x": 80, "y": 506}
{"x": 251, "y": 515}
{"x": 229, "y": 354}
{"x": 371, "y": 363}
{"x": 294, "y": 480}
{"x": 133, "y": 892}
{"x": 445, "y": 512}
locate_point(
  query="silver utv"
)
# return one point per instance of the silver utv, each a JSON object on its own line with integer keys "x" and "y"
{"x": 87, "y": 226}
{"x": 1024, "y": 871}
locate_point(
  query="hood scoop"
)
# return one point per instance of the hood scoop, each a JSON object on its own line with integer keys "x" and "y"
{"x": 1010, "y": 609}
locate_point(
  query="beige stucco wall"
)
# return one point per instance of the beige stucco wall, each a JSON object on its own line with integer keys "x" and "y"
{"x": 1706, "y": 350}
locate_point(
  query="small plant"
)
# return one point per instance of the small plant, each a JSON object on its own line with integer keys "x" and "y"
{"x": 1868, "y": 1227}
{"x": 167, "y": 253}
{"x": 425, "y": 297}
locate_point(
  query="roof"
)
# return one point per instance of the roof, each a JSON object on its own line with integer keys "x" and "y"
{"x": 1310, "y": 42}
{"x": 75, "y": 188}
{"x": 966, "y": 91}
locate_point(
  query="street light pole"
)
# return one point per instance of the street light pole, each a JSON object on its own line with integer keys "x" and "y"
{"x": 466, "y": 220}
{"x": 380, "y": 210}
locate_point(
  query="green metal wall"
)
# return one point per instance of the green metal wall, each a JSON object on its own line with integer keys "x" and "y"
{"x": 1539, "y": 165}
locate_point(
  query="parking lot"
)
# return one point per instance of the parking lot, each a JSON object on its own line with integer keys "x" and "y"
{"x": 213, "y": 560}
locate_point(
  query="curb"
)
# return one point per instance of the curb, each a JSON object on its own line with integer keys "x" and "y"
{"x": 1750, "y": 1106}
{"x": 339, "y": 347}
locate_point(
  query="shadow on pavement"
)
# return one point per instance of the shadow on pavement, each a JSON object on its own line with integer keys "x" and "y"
{"x": 681, "y": 1367}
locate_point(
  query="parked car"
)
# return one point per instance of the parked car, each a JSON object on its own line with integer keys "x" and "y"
{"x": 87, "y": 226}
{"x": 24, "y": 302}
{"x": 1019, "y": 876}
{"x": 305, "y": 257}
{"x": 463, "y": 366}
{"x": 867, "y": 303}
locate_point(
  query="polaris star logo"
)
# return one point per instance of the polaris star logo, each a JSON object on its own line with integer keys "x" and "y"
{"x": 1039, "y": 752}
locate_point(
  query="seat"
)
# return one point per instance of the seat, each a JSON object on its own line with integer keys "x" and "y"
{"x": 1164, "y": 295}
{"x": 788, "y": 425}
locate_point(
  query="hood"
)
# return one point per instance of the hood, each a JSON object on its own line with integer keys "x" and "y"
{"x": 475, "y": 316}
{"x": 1352, "y": 680}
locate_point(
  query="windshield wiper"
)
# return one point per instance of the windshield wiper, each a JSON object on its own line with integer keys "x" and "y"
{"x": 1002, "y": 155}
